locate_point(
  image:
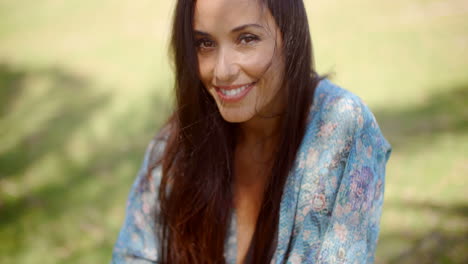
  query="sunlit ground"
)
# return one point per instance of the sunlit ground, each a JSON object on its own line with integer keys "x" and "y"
{"x": 84, "y": 85}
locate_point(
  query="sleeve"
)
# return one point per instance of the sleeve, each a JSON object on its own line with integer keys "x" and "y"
{"x": 352, "y": 233}
{"x": 137, "y": 241}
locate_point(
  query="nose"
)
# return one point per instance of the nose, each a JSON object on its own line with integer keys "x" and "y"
{"x": 226, "y": 68}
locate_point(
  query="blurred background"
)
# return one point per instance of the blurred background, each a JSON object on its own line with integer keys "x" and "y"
{"x": 84, "y": 85}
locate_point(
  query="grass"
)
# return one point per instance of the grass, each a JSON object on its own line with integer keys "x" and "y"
{"x": 84, "y": 85}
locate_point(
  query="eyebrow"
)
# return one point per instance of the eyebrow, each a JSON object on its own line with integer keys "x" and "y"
{"x": 236, "y": 29}
{"x": 240, "y": 28}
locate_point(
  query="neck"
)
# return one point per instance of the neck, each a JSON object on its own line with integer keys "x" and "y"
{"x": 259, "y": 132}
{"x": 256, "y": 146}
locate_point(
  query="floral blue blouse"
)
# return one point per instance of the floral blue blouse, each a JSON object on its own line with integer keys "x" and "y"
{"x": 332, "y": 201}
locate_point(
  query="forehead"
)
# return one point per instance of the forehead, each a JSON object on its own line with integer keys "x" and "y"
{"x": 223, "y": 15}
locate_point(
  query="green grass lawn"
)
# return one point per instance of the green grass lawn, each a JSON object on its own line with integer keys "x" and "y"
{"x": 84, "y": 85}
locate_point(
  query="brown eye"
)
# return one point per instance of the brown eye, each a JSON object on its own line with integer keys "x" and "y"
{"x": 205, "y": 44}
{"x": 208, "y": 44}
{"x": 248, "y": 39}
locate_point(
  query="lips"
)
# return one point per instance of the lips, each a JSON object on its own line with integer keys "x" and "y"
{"x": 234, "y": 92}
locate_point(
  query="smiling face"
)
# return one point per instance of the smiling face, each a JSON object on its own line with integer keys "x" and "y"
{"x": 239, "y": 49}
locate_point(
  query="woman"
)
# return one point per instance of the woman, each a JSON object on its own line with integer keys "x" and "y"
{"x": 263, "y": 161}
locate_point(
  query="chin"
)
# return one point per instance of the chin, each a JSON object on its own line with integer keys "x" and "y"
{"x": 235, "y": 116}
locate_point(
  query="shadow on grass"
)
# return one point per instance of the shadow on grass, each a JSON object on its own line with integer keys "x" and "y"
{"x": 446, "y": 243}
{"x": 45, "y": 122}
{"x": 85, "y": 188}
{"x": 414, "y": 127}
{"x": 457, "y": 209}
{"x": 446, "y": 112}
{"x": 11, "y": 83}
{"x": 41, "y": 108}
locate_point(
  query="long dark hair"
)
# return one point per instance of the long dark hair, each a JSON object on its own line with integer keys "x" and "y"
{"x": 195, "y": 194}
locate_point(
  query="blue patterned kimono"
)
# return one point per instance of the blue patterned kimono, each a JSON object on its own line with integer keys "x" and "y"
{"x": 332, "y": 201}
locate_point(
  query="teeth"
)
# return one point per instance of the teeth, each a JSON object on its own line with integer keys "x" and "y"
{"x": 234, "y": 92}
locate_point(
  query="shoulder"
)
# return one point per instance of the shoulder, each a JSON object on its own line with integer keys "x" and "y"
{"x": 337, "y": 121}
{"x": 149, "y": 177}
{"x": 138, "y": 235}
{"x": 341, "y": 138}
{"x": 336, "y": 107}
{"x": 157, "y": 146}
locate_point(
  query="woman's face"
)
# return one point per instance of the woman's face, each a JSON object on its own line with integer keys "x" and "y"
{"x": 240, "y": 57}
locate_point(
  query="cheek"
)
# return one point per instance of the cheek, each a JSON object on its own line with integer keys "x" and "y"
{"x": 205, "y": 67}
{"x": 268, "y": 71}
{"x": 256, "y": 64}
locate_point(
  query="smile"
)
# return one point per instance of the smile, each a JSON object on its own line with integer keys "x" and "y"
{"x": 234, "y": 93}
